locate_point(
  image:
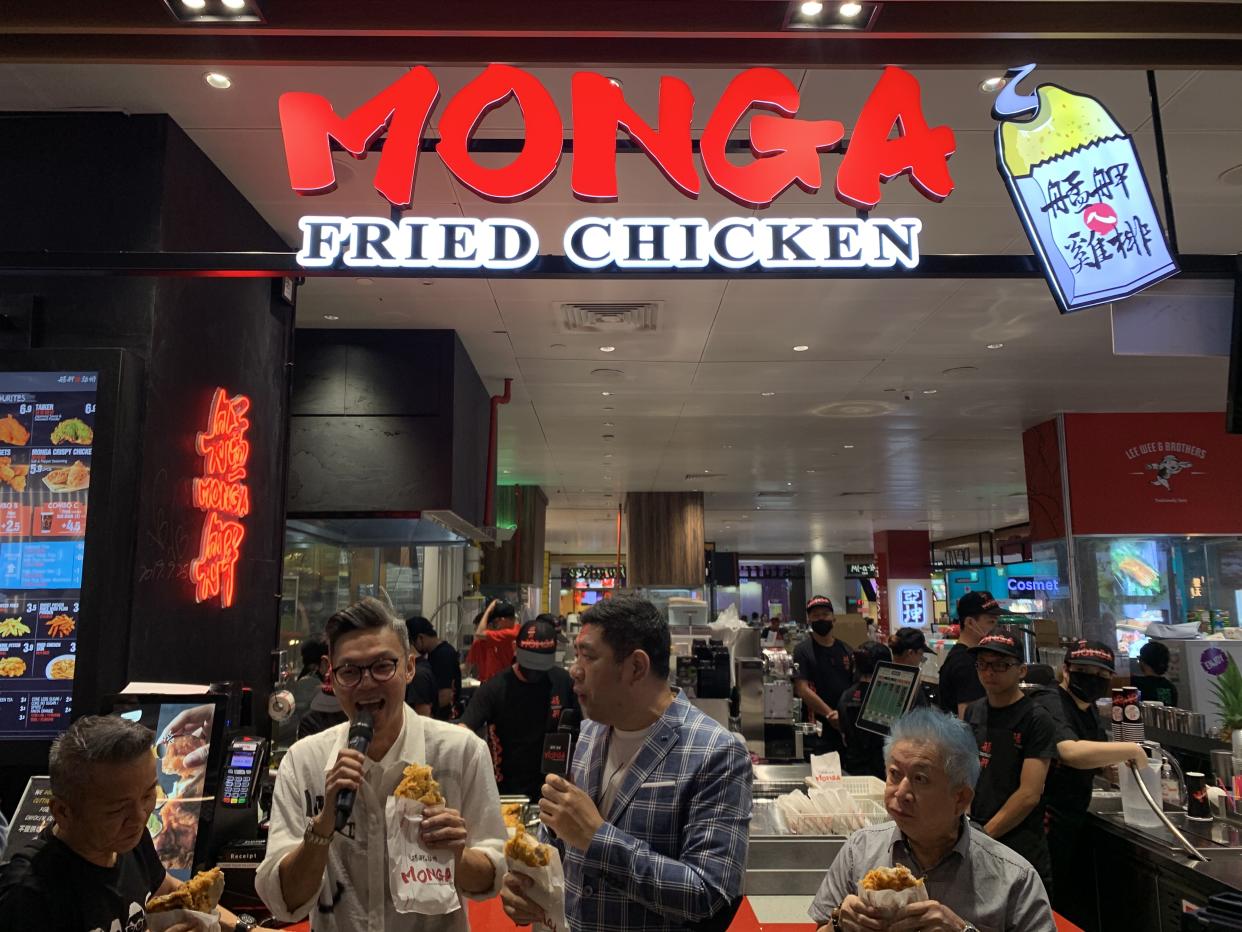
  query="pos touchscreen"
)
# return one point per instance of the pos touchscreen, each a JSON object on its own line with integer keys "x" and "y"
{"x": 189, "y": 736}
{"x": 890, "y": 695}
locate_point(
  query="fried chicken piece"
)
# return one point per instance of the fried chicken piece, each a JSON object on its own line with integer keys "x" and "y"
{"x": 512, "y": 813}
{"x": 176, "y": 751}
{"x": 12, "y": 432}
{"x": 523, "y": 847}
{"x": 12, "y": 666}
{"x": 417, "y": 783}
{"x": 197, "y": 893}
{"x": 890, "y": 878}
{"x": 175, "y": 842}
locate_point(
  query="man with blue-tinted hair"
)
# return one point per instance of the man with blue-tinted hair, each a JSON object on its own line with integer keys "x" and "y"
{"x": 973, "y": 882}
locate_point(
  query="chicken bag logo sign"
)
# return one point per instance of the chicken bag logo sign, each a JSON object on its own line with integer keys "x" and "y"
{"x": 1165, "y": 466}
{"x": 1075, "y": 178}
{"x": 786, "y": 150}
{"x": 222, "y": 495}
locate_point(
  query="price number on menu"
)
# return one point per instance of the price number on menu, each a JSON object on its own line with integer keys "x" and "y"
{"x": 32, "y": 606}
{"x": 90, "y": 409}
{"x": 73, "y": 527}
{"x": 25, "y": 409}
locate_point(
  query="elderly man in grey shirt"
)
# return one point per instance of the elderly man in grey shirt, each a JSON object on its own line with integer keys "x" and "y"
{"x": 972, "y": 881}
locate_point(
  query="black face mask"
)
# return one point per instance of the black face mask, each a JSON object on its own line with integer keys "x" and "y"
{"x": 822, "y": 628}
{"x": 1088, "y": 687}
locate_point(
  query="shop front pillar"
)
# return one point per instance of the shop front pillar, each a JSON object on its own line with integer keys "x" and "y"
{"x": 665, "y": 534}
{"x": 904, "y": 579}
{"x": 825, "y": 575}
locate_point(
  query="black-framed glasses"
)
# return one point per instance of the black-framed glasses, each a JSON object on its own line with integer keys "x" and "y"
{"x": 350, "y": 674}
{"x": 995, "y": 666}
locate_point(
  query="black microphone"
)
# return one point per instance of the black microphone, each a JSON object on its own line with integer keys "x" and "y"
{"x": 360, "y": 733}
{"x": 558, "y": 746}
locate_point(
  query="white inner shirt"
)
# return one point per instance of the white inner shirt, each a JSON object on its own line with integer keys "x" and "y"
{"x": 623, "y": 747}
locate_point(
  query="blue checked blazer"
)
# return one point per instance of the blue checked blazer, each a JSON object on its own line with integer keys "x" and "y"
{"x": 672, "y": 849}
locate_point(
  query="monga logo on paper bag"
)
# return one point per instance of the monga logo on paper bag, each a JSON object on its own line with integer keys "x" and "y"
{"x": 1075, "y": 178}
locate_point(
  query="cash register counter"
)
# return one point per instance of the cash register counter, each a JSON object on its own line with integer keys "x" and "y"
{"x": 1142, "y": 879}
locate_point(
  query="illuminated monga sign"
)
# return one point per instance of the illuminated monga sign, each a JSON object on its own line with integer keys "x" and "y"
{"x": 890, "y": 138}
{"x": 223, "y": 496}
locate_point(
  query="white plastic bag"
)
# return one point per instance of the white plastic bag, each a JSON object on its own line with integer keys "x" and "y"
{"x": 422, "y": 880}
{"x": 889, "y": 902}
{"x": 202, "y": 922}
{"x": 547, "y": 889}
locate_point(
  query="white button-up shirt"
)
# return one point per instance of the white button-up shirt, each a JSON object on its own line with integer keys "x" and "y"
{"x": 354, "y": 895}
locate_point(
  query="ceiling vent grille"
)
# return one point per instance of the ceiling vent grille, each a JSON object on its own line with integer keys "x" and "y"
{"x": 614, "y": 317}
{"x": 774, "y": 497}
{"x": 694, "y": 476}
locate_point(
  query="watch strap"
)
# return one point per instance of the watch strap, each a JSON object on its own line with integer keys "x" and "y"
{"x": 311, "y": 837}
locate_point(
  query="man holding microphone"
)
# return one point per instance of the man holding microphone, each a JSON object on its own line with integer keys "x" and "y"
{"x": 329, "y": 860}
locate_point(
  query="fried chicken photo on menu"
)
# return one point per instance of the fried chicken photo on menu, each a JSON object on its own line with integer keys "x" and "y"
{"x": 417, "y": 783}
{"x": 12, "y": 433}
{"x": 13, "y": 476}
{"x": 199, "y": 893}
{"x": 176, "y": 750}
{"x": 178, "y": 832}
{"x": 890, "y": 878}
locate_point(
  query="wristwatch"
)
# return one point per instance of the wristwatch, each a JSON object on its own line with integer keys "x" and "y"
{"x": 969, "y": 928}
{"x": 312, "y": 837}
{"x": 245, "y": 923}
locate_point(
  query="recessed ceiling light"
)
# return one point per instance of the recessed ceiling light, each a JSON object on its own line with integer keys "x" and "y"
{"x": 812, "y": 8}
{"x": 330, "y": 317}
{"x": 609, "y": 424}
{"x": 364, "y": 282}
{"x": 930, "y": 391}
{"x": 427, "y": 281}
{"x": 607, "y": 349}
{"x": 606, "y": 394}
{"x": 234, "y": 5}
{"x": 848, "y": 446}
{"x": 811, "y": 472}
{"x": 194, "y": 4}
{"x": 507, "y": 471}
{"x": 609, "y": 408}
{"x": 556, "y": 346}
{"x": 788, "y": 483}
{"x": 615, "y": 82}
{"x": 801, "y": 348}
{"x": 849, "y": 10}
{"x": 220, "y": 82}
{"x": 728, "y": 527}
{"x": 607, "y": 456}
{"x": 608, "y": 436}
{"x": 767, "y": 394}
{"x": 996, "y": 346}
{"x": 992, "y": 85}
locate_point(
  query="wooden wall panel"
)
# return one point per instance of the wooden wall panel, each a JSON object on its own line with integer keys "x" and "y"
{"x": 665, "y": 539}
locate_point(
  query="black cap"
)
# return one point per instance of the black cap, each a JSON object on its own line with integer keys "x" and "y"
{"x": 908, "y": 639}
{"x": 1003, "y": 640}
{"x": 1092, "y": 654}
{"x": 536, "y": 645}
{"x": 819, "y": 601}
{"x": 419, "y": 625}
{"x": 504, "y": 609}
{"x": 974, "y": 604}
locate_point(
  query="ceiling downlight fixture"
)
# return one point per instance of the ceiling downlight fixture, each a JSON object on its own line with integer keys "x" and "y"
{"x": 218, "y": 80}
{"x": 215, "y": 12}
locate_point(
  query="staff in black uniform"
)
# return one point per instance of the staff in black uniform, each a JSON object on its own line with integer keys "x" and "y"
{"x": 1152, "y": 682}
{"x": 1017, "y": 741}
{"x": 959, "y": 681}
{"x": 864, "y": 750}
{"x": 825, "y": 670}
{"x": 1081, "y": 748}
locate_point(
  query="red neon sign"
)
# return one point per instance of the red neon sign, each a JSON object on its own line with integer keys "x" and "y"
{"x": 786, "y": 148}
{"x": 221, "y": 493}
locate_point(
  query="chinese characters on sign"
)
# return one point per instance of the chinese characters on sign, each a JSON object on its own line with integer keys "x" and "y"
{"x": 912, "y": 606}
{"x": 222, "y": 495}
{"x": 1075, "y": 178}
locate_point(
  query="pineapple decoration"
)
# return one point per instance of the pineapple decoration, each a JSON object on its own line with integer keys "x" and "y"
{"x": 1228, "y": 689}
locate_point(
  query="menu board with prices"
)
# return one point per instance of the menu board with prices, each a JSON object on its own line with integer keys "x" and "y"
{"x": 47, "y": 435}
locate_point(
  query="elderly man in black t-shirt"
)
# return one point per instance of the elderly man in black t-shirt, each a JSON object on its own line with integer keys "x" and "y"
{"x": 95, "y": 868}
{"x": 825, "y": 669}
{"x": 1017, "y": 742}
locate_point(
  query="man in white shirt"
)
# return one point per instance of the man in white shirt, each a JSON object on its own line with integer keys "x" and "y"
{"x": 340, "y": 879}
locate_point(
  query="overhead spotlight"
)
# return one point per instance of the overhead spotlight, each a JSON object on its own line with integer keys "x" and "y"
{"x": 607, "y": 349}
{"x": 996, "y": 346}
{"x": 606, "y": 394}
{"x": 330, "y": 317}
{"x": 221, "y": 82}
{"x": 215, "y": 12}
{"x": 767, "y": 394}
{"x": 801, "y": 348}
{"x": 992, "y": 85}
{"x": 814, "y": 14}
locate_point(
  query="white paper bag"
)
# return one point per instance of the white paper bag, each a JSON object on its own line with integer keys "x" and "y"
{"x": 202, "y": 922}
{"x": 422, "y": 880}
{"x": 548, "y": 890}
{"x": 889, "y": 902}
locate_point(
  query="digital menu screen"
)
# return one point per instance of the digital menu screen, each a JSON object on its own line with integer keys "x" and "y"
{"x": 47, "y": 429}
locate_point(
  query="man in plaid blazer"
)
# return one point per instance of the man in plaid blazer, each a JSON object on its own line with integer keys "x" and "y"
{"x": 653, "y": 828}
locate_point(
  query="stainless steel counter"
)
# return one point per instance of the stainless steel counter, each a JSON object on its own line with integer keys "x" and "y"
{"x": 781, "y": 865}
